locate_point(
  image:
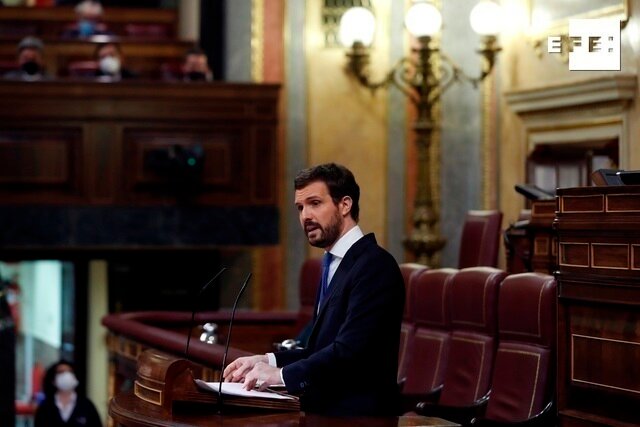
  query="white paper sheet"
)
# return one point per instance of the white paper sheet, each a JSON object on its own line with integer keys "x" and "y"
{"x": 236, "y": 389}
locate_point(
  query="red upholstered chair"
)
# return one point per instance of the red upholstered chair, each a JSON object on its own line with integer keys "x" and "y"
{"x": 426, "y": 359}
{"x": 474, "y": 319}
{"x": 480, "y": 239}
{"x": 410, "y": 271}
{"x": 523, "y": 381}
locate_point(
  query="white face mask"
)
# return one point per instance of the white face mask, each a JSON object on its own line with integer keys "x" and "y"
{"x": 110, "y": 65}
{"x": 66, "y": 381}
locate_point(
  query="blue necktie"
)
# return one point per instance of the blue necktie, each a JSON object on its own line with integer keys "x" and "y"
{"x": 324, "y": 282}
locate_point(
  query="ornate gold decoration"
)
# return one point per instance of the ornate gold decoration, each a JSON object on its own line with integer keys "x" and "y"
{"x": 423, "y": 78}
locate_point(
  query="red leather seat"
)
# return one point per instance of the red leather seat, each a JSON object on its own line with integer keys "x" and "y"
{"x": 410, "y": 271}
{"x": 474, "y": 319}
{"x": 523, "y": 380}
{"x": 480, "y": 239}
{"x": 427, "y": 359}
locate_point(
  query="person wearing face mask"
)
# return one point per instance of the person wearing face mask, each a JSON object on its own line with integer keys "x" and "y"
{"x": 30, "y": 61}
{"x": 195, "y": 67}
{"x": 62, "y": 405}
{"x": 89, "y": 21}
{"x": 110, "y": 62}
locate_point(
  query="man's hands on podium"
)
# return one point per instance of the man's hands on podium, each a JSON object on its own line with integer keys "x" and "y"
{"x": 252, "y": 371}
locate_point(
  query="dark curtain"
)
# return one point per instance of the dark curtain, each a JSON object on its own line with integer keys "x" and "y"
{"x": 212, "y": 29}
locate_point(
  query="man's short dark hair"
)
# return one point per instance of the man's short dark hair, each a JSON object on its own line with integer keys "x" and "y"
{"x": 338, "y": 179}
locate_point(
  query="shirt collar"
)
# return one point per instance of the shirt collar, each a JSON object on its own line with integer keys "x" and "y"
{"x": 345, "y": 242}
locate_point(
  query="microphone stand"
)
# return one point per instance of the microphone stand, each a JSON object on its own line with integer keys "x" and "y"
{"x": 226, "y": 347}
{"x": 195, "y": 305}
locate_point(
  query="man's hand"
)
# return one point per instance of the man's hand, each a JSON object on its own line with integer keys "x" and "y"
{"x": 235, "y": 371}
{"x": 262, "y": 374}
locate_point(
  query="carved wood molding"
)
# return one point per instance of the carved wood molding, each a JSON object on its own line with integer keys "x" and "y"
{"x": 618, "y": 88}
{"x": 585, "y": 110}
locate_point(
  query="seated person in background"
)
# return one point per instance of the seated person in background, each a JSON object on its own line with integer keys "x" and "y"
{"x": 195, "y": 67}
{"x": 89, "y": 14}
{"x": 110, "y": 62}
{"x": 30, "y": 61}
{"x": 62, "y": 406}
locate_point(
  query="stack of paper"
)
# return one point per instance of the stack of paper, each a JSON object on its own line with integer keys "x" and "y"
{"x": 235, "y": 394}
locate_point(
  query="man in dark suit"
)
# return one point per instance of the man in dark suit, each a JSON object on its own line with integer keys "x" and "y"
{"x": 349, "y": 366}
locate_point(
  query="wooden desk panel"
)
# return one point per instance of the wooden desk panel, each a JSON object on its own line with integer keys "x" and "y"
{"x": 85, "y": 149}
{"x": 87, "y": 142}
{"x": 599, "y": 306}
{"x": 129, "y": 411}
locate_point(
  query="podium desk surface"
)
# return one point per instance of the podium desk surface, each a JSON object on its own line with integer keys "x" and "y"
{"x": 129, "y": 411}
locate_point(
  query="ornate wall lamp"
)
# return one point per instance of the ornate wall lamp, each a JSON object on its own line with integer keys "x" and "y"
{"x": 423, "y": 78}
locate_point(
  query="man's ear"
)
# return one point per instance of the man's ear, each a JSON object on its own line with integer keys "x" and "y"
{"x": 346, "y": 203}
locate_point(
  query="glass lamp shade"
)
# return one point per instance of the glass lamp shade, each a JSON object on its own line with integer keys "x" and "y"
{"x": 486, "y": 18}
{"x": 423, "y": 19}
{"x": 357, "y": 25}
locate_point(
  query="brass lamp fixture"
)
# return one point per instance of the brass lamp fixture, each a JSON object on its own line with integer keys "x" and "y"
{"x": 423, "y": 78}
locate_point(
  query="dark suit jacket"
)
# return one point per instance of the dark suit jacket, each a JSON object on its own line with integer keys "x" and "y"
{"x": 350, "y": 364}
{"x": 84, "y": 414}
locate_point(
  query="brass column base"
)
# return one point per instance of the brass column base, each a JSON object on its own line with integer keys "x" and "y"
{"x": 425, "y": 246}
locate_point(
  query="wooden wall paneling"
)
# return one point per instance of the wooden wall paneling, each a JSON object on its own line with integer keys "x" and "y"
{"x": 41, "y": 161}
{"x": 103, "y": 154}
{"x": 226, "y": 174}
{"x": 73, "y": 160}
{"x": 599, "y": 306}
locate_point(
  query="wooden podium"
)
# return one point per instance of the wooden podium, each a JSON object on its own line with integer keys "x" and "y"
{"x": 598, "y": 231}
{"x": 165, "y": 380}
{"x": 165, "y": 395}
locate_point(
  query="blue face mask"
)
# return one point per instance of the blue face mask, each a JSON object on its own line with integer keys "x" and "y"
{"x": 86, "y": 28}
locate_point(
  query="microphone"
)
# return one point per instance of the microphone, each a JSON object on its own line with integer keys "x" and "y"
{"x": 226, "y": 347}
{"x": 195, "y": 305}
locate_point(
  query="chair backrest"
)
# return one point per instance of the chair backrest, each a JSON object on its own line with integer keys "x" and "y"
{"x": 474, "y": 321}
{"x": 429, "y": 350}
{"x": 308, "y": 287}
{"x": 480, "y": 239}
{"x": 523, "y": 374}
{"x": 410, "y": 272}
{"x": 409, "y": 269}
